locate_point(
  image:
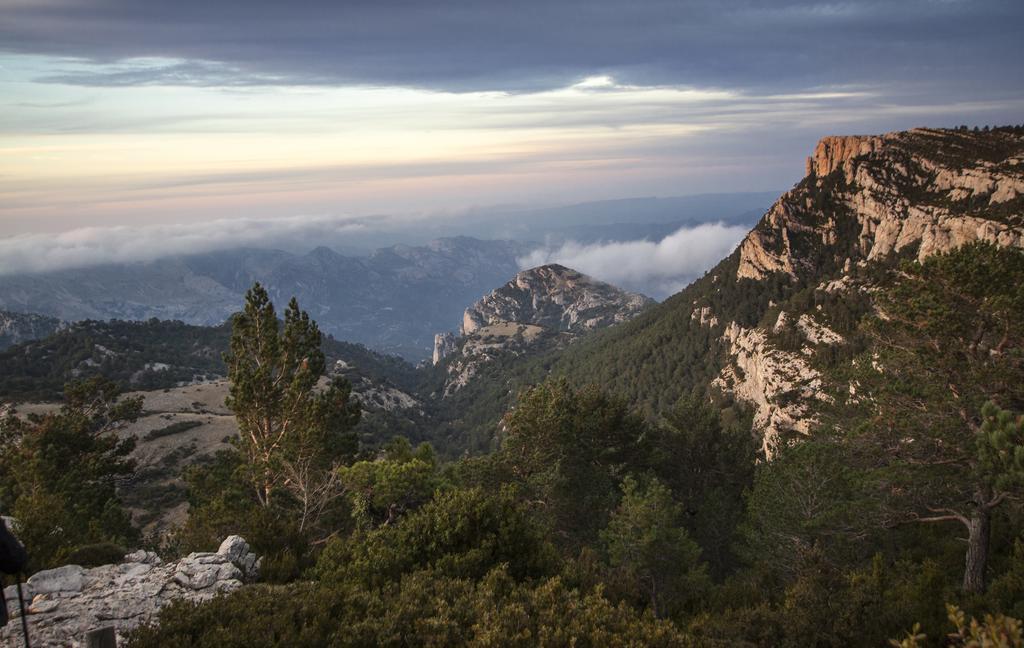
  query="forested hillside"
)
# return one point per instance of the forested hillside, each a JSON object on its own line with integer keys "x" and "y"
{"x": 866, "y": 204}
{"x": 819, "y": 443}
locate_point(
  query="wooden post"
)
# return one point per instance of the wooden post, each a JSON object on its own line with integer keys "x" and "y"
{"x": 101, "y": 638}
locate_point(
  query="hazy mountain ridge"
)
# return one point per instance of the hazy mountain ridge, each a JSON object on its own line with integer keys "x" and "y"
{"x": 16, "y": 328}
{"x": 393, "y": 300}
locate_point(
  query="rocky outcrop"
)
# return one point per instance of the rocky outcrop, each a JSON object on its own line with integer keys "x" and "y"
{"x": 831, "y": 152}
{"x": 778, "y": 384}
{"x": 920, "y": 189}
{"x": 444, "y": 344}
{"x": 865, "y": 198}
{"x": 549, "y": 303}
{"x": 66, "y": 602}
{"x": 556, "y": 298}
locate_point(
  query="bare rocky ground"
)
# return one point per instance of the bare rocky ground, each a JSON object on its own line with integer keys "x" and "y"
{"x": 179, "y": 426}
{"x": 66, "y": 603}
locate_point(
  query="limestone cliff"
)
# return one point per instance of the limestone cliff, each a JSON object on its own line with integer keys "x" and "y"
{"x": 556, "y": 298}
{"x": 923, "y": 190}
{"x": 865, "y": 198}
{"x": 550, "y": 303}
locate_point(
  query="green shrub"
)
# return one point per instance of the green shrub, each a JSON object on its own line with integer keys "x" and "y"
{"x": 94, "y": 555}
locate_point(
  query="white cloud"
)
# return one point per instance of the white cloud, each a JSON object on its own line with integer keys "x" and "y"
{"x": 28, "y": 253}
{"x": 656, "y": 268}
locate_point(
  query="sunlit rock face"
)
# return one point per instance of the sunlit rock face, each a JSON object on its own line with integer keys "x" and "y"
{"x": 865, "y": 198}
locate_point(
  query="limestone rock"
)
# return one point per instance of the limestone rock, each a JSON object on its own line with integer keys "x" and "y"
{"x": 67, "y": 602}
{"x": 557, "y": 298}
{"x": 778, "y": 384}
{"x": 865, "y": 199}
{"x": 548, "y": 303}
{"x": 444, "y": 345}
{"x": 900, "y": 190}
{"x": 832, "y": 152}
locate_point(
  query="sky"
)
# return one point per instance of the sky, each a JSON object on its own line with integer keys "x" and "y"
{"x": 162, "y": 115}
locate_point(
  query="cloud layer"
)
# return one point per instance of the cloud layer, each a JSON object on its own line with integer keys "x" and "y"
{"x": 88, "y": 246}
{"x": 655, "y": 268}
{"x": 529, "y": 44}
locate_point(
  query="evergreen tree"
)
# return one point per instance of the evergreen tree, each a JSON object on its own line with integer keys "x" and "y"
{"x": 709, "y": 465}
{"x": 647, "y": 544}
{"x": 570, "y": 449}
{"x": 948, "y": 338}
{"x": 59, "y": 472}
{"x": 293, "y": 434}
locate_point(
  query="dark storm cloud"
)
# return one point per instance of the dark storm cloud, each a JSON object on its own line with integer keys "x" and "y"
{"x": 530, "y": 44}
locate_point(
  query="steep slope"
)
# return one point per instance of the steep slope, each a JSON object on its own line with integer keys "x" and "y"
{"x": 393, "y": 300}
{"x": 16, "y": 328}
{"x": 751, "y": 328}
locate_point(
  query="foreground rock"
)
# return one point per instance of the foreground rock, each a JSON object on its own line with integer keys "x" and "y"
{"x": 65, "y": 603}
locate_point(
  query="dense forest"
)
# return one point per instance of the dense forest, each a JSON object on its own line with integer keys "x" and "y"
{"x": 592, "y": 523}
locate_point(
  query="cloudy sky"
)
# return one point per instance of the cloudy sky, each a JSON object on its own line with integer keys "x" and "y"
{"x": 127, "y": 113}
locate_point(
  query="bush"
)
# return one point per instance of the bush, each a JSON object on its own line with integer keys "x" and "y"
{"x": 461, "y": 533}
{"x": 94, "y": 555}
{"x": 423, "y": 609}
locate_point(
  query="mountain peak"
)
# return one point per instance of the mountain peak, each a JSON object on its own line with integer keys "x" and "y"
{"x": 557, "y": 298}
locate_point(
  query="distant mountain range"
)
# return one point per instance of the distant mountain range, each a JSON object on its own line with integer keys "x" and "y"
{"x": 393, "y": 300}
{"x": 16, "y": 328}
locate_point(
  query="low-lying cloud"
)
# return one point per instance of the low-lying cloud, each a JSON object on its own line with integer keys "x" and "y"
{"x": 88, "y": 246}
{"x": 656, "y": 268}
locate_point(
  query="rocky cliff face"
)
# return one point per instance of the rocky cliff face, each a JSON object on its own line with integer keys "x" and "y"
{"x": 872, "y": 198}
{"x": 548, "y": 303}
{"x": 924, "y": 190}
{"x": 16, "y": 328}
{"x": 555, "y": 298}
{"x": 65, "y": 603}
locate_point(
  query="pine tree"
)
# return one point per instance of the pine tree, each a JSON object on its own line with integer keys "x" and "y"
{"x": 59, "y": 472}
{"x": 948, "y": 338}
{"x": 293, "y": 432}
{"x": 647, "y": 543}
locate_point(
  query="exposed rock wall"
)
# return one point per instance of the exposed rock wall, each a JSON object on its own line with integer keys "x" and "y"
{"x": 898, "y": 190}
{"x": 444, "y": 344}
{"x": 550, "y": 303}
{"x": 865, "y": 198}
{"x": 556, "y": 298}
{"x": 66, "y": 602}
{"x": 831, "y": 152}
{"x": 777, "y": 384}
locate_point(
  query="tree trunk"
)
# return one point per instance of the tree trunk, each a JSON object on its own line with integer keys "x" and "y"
{"x": 978, "y": 531}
